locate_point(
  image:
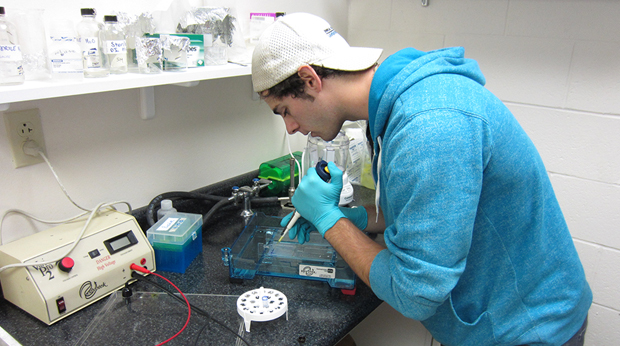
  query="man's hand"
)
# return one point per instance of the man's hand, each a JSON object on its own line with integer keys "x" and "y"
{"x": 317, "y": 201}
{"x": 357, "y": 215}
{"x": 301, "y": 229}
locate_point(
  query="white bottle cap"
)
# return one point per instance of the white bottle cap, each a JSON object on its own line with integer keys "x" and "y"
{"x": 166, "y": 204}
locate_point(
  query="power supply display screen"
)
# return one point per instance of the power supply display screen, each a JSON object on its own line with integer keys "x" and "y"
{"x": 120, "y": 242}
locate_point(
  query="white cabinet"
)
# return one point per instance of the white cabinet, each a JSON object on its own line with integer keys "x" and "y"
{"x": 386, "y": 326}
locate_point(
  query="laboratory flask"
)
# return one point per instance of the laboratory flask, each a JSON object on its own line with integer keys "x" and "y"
{"x": 337, "y": 151}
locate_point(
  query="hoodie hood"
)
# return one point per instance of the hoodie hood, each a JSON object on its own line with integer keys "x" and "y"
{"x": 399, "y": 73}
{"x": 404, "y": 69}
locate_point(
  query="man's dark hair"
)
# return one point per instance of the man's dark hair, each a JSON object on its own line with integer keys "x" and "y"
{"x": 294, "y": 86}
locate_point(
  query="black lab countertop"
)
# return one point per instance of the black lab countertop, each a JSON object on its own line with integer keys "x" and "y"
{"x": 317, "y": 313}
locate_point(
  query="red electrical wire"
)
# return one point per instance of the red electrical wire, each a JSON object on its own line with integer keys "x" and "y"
{"x": 136, "y": 267}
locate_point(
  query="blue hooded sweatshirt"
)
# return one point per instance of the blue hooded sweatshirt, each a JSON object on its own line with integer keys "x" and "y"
{"x": 477, "y": 246}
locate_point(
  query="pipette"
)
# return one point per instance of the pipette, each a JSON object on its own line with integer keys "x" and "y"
{"x": 323, "y": 172}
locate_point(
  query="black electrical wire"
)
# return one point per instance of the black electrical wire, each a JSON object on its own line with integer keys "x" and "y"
{"x": 200, "y": 333}
{"x": 139, "y": 277}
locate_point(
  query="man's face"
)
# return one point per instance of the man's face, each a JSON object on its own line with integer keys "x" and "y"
{"x": 306, "y": 116}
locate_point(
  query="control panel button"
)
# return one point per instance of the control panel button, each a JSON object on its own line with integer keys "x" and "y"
{"x": 66, "y": 264}
{"x": 94, "y": 253}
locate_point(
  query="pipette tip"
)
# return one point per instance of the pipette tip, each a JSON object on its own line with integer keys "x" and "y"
{"x": 290, "y": 224}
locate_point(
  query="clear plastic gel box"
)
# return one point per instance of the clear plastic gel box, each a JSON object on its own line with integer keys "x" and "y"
{"x": 258, "y": 252}
{"x": 177, "y": 240}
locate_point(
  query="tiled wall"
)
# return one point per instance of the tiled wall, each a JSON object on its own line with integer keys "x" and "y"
{"x": 556, "y": 64}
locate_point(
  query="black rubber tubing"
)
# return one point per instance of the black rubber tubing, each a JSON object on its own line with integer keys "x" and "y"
{"x": 221, "y": 201}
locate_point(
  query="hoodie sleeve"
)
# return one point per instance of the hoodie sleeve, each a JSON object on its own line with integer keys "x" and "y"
{"x": 431, "y": 181}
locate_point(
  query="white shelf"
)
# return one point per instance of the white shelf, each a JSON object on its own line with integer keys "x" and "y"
{"x": 44, "y": 89}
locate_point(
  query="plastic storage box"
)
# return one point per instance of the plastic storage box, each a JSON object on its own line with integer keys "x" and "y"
{"x": 258, "y": 252}
{"x": 177, "y": 240}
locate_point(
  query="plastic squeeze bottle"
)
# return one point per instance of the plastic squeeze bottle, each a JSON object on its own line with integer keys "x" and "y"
{"x": 166, "y": 208}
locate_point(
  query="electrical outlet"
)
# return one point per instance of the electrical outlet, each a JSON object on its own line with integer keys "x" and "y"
{"x": 22, "y": 126}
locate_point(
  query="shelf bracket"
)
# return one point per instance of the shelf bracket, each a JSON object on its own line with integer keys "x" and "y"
{"x": 147, "y": 103}
{"x": 147, "y": 99}
{"x": 188, "y": 84}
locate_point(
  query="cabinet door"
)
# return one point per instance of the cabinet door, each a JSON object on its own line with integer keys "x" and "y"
{"x": 386, "y": 326}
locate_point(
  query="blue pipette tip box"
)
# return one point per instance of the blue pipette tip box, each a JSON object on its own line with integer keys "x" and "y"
{"x": 177, "y": 240}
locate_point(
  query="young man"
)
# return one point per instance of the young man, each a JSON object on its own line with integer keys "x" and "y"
{"x": 476, "y": 244}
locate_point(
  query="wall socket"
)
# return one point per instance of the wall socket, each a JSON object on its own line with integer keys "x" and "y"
{"x": 22, "y": 126}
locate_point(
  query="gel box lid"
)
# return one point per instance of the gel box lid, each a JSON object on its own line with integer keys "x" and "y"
{"x": 278, "y": 169}
{"x": 174, "y": 228}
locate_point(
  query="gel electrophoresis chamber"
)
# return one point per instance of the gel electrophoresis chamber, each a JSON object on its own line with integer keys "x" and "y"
{"x": 258, "y": 252}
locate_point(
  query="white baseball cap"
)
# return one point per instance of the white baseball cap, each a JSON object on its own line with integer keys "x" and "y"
{"x": 299, "y": 39}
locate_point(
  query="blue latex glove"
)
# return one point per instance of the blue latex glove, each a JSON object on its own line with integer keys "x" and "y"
{"x": 317, "y": 201}
{"x": 302, "y": 228}
{"x": 357, "y": 215}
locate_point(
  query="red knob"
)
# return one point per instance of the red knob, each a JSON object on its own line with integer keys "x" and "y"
{"x": 66, "y": 264}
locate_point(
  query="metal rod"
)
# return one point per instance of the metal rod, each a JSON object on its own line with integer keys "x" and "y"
{"x": 291, "y": 190}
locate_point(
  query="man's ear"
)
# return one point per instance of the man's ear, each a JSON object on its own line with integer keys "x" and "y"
{"x": 312, "y": 81}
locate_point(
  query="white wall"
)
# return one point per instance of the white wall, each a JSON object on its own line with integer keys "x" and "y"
{"x": 556, "y": 63}
{"x": 103, "y": 151}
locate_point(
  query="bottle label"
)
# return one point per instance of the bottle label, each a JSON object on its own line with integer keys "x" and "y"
{"x": 10, "y": 52}
{"x": 115, "y": 46}
{"x": 91, "y": 53}
{"x": 66, "y": 60}
{"x": 63, "y": 38}
{"x": 11, "y": 61}
{"x": 90, "y": 45}
{"x": 118, "y": 61}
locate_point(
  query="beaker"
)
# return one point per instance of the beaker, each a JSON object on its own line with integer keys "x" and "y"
{"x": 149, "y": 54}
{"x": 33, "y": 42}
{"x": 336, "y": 151}
{"x": 174, "y": 52}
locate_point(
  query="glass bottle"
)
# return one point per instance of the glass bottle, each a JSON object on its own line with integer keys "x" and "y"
{"x": 115, "y": 45}
{"x": 89, "y": 37}
{"x": 65, "y": 52}
{"x": 11, "y": 60}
